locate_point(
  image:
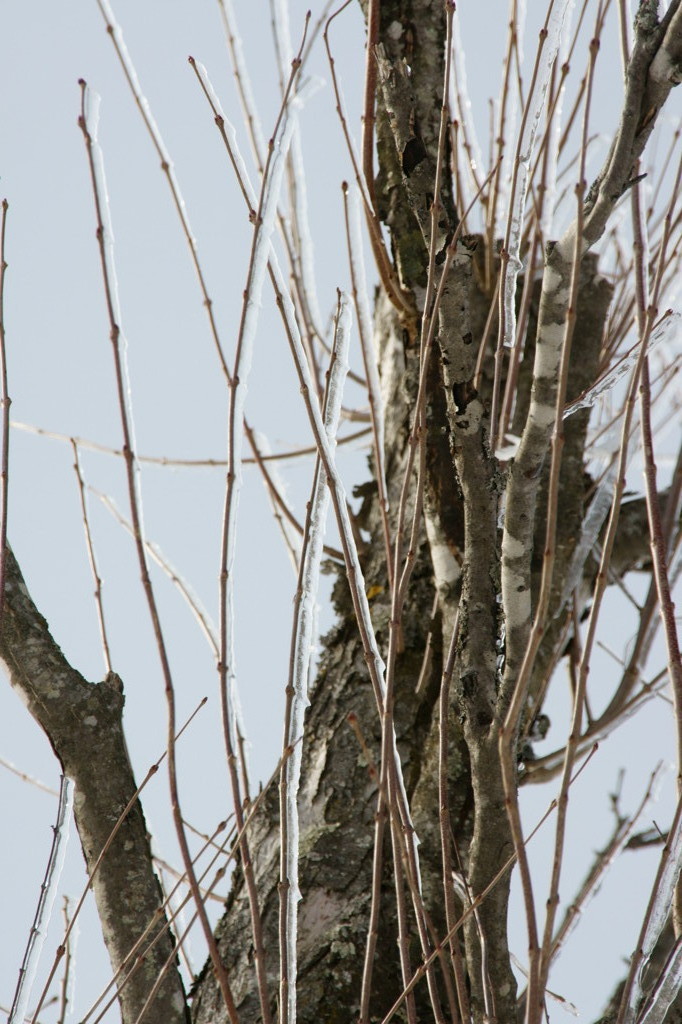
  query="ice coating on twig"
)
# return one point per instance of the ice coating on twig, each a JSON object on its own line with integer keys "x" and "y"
{"x": 230, "y": 134}
{"x": 303, "y": 644}
{"x": 460, "y": 99}
{"x": 345, "y": 528}
{"x": 141, "y": 99}
{"x": 521, "y": 27}
{"x": 282, "y": 33}
{"x": 305, "y": 238}
{"x": 155, "y": 552}
{"x": 48, "y": 892}
{"x": 659, "y": 907}
{"x": 666, "y": 989}
{"x": 524, "y": 153}
{"x": 303, "y": 222}
{"x": 92, "y": 108}
{"x": 241, "y": 71}
{"x": 592, "y": 524}
{"x": 260, "y": 255}
{"x": 657, "y": 913}
{"x": 665, "y": 331}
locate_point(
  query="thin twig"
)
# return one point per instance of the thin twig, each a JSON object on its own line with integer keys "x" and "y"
{"x": 360, "y": 301}
{"x": 444, "y": 712}
{"x": 61, "y": 949}
{"x": 92, "y": 558}
{"x": 5, "y": 402}
{"x": 386, "y": 271}
{"x": 645, "y": 313}
{"x": 65, "y": 983}
{"x": 260, "y": 248}
{"x": 48, "y": 891}
{"x": 103, "y": 242}
{"x": 299, "y": 671}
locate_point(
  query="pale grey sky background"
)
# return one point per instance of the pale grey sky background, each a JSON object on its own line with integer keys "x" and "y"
{"x": 61, "y": 380}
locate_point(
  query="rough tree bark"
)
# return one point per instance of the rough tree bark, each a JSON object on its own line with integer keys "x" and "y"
{"x": 84, "y": 723}
{"x": 468, "y": 573}
{"x": 460, "y": 561}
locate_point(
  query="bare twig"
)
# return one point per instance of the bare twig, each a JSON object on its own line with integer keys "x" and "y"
{"x": 92, "y": 559}
{"x": 104, "y": 242}
{"x": 5, "y": 402}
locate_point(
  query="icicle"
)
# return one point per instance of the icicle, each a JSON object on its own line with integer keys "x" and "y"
{"x": 464, "y": 107}
{"x": 665, "y": 331}
{"x": 592, "y": 524}
{"x": 665, "y": 992}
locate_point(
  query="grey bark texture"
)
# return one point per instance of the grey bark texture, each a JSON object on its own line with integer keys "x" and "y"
{"x": 84, "y": 723}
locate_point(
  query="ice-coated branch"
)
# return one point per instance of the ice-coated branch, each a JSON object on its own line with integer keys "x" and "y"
{"x": 553, "y": 147}
{"x": 264, "y": 226}
{"x": 267, "y": 210}
{"x": 369, "y": 359}
{"x": 592, "y": 524}
{"x": 460, "y": 100}
{"x": 667, "y": 331}
{"x": 665, "y": 991}
{"x": 655, "y": 918}
{"x": 301, "y": 664}
{"x": 654, "y": 68}
{"x": 48, "y": 891}
{"x": 243, "y": 81}
{"x": 90, "y": 126}
{"x": 354, "y": 571}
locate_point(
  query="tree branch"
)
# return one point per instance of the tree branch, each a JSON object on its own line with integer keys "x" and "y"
{"x": 83, "y": 722}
